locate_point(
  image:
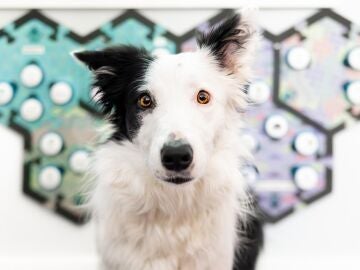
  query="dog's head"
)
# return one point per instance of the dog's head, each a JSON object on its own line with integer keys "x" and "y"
{"x": 175, "y": 108}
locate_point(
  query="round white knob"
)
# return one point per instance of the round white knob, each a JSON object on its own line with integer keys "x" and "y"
{"x": 298, "y": 58}
{"x": 259, "y": 92}
{"x": 354, "y": 58}
{"x": 353, "y": 92}
{"x": 160, "y": 41}
{"x": 306, "y": 178}
{"x": 276, "y": 126}
{"x": 61, "y": 93}
{"x": 79, "y": 161}
{"x": 6, "y": 93}
{"x": 250, "y": 174}
{"x": 250, "y": 142}
{"x": 31, "y": 110}
{"x": 51, "y": 144}
{"x": 306, "y": 143}
{"x": 31, "y": 76}
{"x": 50, "y": 178}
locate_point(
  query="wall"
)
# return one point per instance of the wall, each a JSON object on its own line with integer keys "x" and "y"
{"x": 323, "y": 236}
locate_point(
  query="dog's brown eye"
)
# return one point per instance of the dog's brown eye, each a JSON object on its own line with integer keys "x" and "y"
{"x": 203, "y": 97}
{"x": 145, "y": 101}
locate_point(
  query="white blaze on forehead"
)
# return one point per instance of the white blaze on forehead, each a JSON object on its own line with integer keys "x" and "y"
{"x": 185, "y": 74}
{"x": 183, "y": 64}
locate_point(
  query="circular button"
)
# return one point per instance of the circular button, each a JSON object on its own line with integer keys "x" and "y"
{"x": 250, "y": 174}
{"x": 259, "y": 92}
{"x": 79, "y": 161}
{"x": 353, "y": 92}
{"x": 31, "y": 76}
{"x": 306, "y": 178}
{"x": 61, "y": 93}
{"x": 160, "y": 41}
{"x": 250, "y": 142}
{"x": 354, "y": 58}
{"x": 276, "y": 127}
{"x": 51, "y": 144}
{"x": 50, "y": 178}
{"x": 31, "y": 110}
{"x": 299, "y": 58}
{"x": 6, "y": 93}
{"x": 306, "y": 143}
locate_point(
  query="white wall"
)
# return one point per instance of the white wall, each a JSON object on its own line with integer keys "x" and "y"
{"x": 323, "y": 236}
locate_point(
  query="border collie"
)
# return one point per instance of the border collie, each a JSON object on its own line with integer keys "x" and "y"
{"x": 169, "y": 194}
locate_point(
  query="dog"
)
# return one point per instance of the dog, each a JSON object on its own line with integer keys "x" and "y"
{"x": 169, "y": 194}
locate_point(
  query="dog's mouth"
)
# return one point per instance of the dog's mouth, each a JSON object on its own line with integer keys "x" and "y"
{"x": 178, "y": 180}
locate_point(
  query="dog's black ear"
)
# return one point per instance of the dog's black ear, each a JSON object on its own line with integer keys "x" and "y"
{"x": 116, "y": 71}
{"x": 94, "y": 59}
{"x": 232, "y": 42}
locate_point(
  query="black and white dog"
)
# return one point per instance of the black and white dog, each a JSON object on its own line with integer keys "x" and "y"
{"x": 169, "y": 194}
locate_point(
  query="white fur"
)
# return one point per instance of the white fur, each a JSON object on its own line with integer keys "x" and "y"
{"x": 144, "y": 223}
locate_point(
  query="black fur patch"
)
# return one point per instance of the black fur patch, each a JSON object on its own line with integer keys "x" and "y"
{"x": 225, "y": 39}
{"x": 247, "y": 253}
{"x": 119, "y": 73}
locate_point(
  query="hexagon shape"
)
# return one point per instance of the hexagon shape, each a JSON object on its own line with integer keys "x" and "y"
{"x": 322, "y": 43}
{"x": 292, "y": 158}
{"x": 53, "y": 108}
{"x": 47, "y": 101}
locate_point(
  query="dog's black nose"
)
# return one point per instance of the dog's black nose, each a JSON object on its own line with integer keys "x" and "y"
{"x": 176, "y": 156}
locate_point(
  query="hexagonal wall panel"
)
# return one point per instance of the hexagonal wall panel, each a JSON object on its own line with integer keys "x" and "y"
{"x": 52, "y": 107}
{"x": 291, "y": 157}
{"x": 316, "y": 80}
{"x": 292, "y": 151}
{"x": 44, "y": 106}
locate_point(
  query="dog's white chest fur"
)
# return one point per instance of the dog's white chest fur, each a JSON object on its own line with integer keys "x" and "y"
{"x": 160, "y": 227}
